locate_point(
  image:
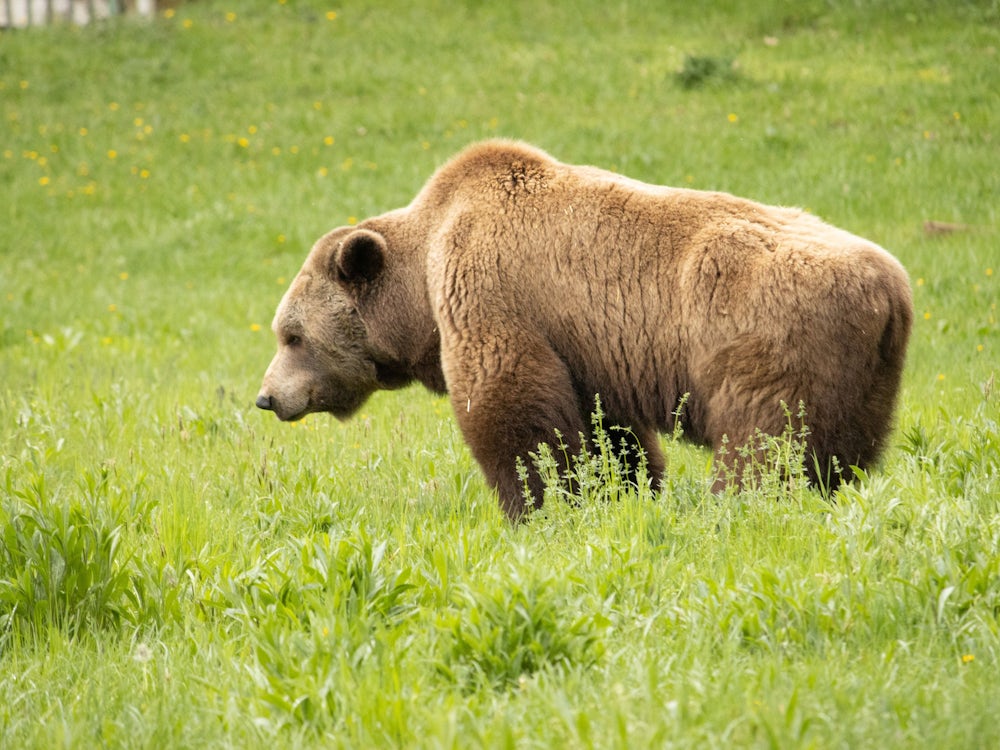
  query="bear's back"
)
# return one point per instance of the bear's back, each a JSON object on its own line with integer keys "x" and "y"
{"x": 627, "y": 280}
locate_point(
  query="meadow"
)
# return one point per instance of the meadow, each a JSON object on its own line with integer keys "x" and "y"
{"x": 178, "y": 569}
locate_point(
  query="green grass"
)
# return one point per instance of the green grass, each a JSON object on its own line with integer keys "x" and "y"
{"x": 178, "y": 569}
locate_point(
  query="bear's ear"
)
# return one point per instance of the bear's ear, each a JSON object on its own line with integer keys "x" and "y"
{"x": 359, "y": 259}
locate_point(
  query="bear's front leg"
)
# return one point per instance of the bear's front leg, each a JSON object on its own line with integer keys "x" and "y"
{"x": 507, "y": 408}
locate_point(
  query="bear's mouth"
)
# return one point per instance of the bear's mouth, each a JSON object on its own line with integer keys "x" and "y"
{"x": 297, "y": 417}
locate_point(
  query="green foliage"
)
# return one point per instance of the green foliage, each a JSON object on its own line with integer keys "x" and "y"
{"x": 311, "y": 613}
{"x": 701, "y": 70}
{"x": 61, "y": 560}
{"x": 499, "y": 635}
{"x": 178, "y": 569}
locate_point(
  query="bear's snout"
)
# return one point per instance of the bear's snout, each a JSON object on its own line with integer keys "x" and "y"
{"x": 265, "y": 402}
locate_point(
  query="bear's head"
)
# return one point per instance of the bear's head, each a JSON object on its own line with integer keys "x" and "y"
{"x": 352, "y": 322}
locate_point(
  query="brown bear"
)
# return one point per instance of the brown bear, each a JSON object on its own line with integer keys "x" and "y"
{"x": 524, "y": 287}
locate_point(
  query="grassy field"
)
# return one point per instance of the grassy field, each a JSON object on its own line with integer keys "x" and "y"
{"x": 178, "y": 569}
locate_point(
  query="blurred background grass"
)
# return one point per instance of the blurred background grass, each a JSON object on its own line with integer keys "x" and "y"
{"x": 200, "y": 154}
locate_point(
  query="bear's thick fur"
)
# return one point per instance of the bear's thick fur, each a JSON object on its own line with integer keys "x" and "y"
{"x": 525, "y": 287}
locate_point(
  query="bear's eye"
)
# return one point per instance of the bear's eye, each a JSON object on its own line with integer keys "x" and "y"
{"x": 293, "y": 340}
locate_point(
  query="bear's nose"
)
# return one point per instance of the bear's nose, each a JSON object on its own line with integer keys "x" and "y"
{"x": 265, "y": 402}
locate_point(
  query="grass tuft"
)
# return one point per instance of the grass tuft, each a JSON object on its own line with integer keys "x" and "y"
{"x": 499, "y": 636}
{"x": 699, "y": 71}
{"x": 62, "y": 563}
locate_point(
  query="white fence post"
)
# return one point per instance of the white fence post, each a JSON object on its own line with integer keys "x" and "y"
{"x": 22, "y": 13}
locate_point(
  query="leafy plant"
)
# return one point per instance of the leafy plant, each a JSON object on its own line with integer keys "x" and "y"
{"x": 61, "y": 560}
{"x": 311, "y": 612}
{"x": 500, "y": 634}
